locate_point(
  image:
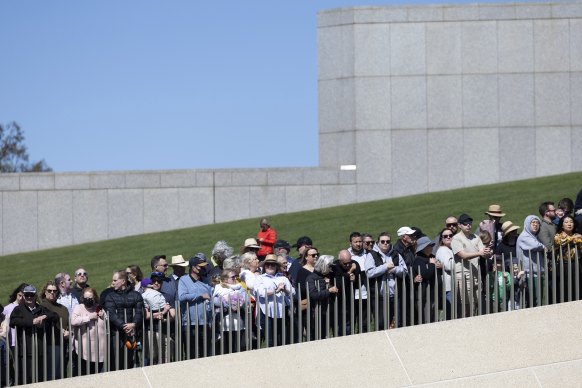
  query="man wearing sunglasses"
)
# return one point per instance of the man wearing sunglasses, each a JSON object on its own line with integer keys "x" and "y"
{"x": 81, "y": 278}
{"x": 451, "y": 224}
{"x": 360, "y": 255}
{"x": 169, "y": 287}
{"x": 30, "y": 319}
{"x": 388, "y": 266}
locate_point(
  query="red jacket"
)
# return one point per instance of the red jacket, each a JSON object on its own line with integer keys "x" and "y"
{"x": 269, "y": 237}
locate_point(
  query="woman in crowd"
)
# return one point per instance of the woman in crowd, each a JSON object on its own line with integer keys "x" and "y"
{"x": 322, "y": 294}
{"x": 230, "y": 300}
{"x": 16, "y": 298}
{"x": 424, "y": 272}
{"x": 134, "y": 276}
{"x": 531, "y": 254}
{"x": 506, "y": 258}
{"x": 159, "y": 314}
{"x": 32, "y": 323}
{"x": 89, "y": 322}
{"x": 274, "y": 293}
{"x": 445, "y": 256}
{"x": 56, "y": 339}
{"x": 567, "y": 247}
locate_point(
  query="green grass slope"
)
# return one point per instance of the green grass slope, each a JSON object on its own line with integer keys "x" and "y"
{"x": 329, "y": 228}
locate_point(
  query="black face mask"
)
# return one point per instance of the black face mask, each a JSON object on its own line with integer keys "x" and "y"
{"x": 202, "y": 271}
{"x": 89, "y": 302}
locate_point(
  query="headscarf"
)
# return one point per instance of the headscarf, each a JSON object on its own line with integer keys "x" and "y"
{"x": 529, "y": 245}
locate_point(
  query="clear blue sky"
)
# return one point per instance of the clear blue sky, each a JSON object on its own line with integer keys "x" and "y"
{"x": 140, "y": 85}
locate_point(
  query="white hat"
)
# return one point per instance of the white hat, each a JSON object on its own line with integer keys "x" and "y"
{"x": 404, "y": 230}
{"x": 251, "y": 243}
{"x": 179, "y": 260}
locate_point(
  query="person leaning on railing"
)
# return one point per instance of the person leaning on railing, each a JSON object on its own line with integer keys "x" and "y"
{"x": 124, "y": 307}
{"x": 531, "y": 253}
{"x": 89, "y": 340}
{"x": 32, "y": 323}
{"x": 567, "y": 246}
{"x": 322, "y": 292}
{"x": 59, "y": 334}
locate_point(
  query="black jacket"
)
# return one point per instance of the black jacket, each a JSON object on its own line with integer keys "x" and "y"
{"x": 124, "y": 306}
{"x": 21, "y": 319}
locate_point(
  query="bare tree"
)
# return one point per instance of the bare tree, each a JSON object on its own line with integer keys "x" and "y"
{"x": 13, "y": 153}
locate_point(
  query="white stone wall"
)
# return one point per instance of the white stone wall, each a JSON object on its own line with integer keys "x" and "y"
{"x": 420, "y": 98}
{"x": 429, "y": 98}
{"x": 47, "y": 210}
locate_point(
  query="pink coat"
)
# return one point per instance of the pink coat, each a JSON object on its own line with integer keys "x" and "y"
{"x": 87, "y": 329}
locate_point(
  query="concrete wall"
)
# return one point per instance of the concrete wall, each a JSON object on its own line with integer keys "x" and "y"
{"x": 539, "y": 347}
{"x": 428, "y": 98}
{"x": 420, "y": 99}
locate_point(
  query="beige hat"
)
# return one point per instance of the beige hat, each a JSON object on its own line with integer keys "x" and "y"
{"x": 251, "y": 243}
{"x": 495, "y": 211}
{"x": 179, "y": 261}
{"x": 508, "y": 227}
{"x": 270, "y": 258}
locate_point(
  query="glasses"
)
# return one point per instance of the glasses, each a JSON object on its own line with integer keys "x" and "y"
{"x": 385, "y": 241}
{"x": 467, "y": 223}
{"x": 452, "y": 224}
{"x": 51, "y": 291}
{"x": 157, "y": 281}
{"x": 26, "y": 295}
{"x": 313, "y": 254}
{"x": 81, "y": 274}
{"x": 368, "y": 242}
{"x": 447, "y": 236}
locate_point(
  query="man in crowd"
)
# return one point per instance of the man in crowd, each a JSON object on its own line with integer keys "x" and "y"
{"x": 405, "y": 248}
{"x": 547, "y": 228}
{"x": 194, "y": 296}
{"x": 451, "y": 224}
{"x": 124, "y": 307}
{"x": 395, "y": 268}
{"x": 81, "y": 278}
{"x": 303, "y": 244}
{"x": 66, "y": 298}
{"x": 345, "y": 272}
{"x": 169, "y": 287}
{"x": 178, "y": 267}
{"x": 282, "y": 248}
{"x": 360, "y": 255}
{"x": 468, "y": 249}
{"x": 492, "y": 224}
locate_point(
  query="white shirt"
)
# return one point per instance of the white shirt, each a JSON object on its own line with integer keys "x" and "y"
{"x": 361, "y": 260}
{"x": 69, "y": 301}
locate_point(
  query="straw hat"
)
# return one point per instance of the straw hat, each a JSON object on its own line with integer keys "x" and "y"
{"x": 495, "y": 211}
{"x": 508, "y": 227}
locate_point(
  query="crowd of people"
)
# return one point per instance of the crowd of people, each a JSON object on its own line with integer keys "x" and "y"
{"x": 262, "y": 292}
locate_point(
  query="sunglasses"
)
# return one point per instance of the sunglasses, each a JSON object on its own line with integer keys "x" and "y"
{"x": 368, "y": 242}
{"x": 313, "y": 254}
{"x": 385, "y": 241}
{"x": 157, "y": 281}
{"x": 452, "y": 224}
{"x": 81, "y": 274}
{"x": 447, "y": 236}
{"x": 26, "y": 295}
{"x": 51, "y": 291}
